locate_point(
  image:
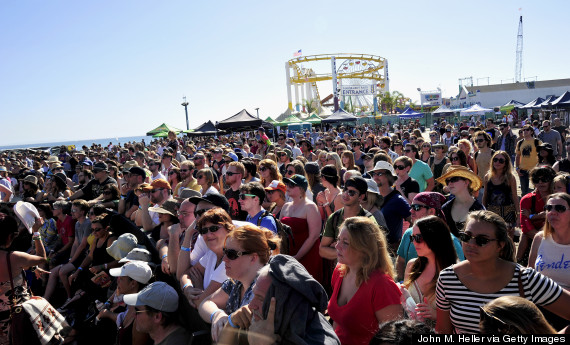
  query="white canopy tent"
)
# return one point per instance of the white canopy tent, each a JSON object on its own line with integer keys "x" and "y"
{"x": 475, "y": 109}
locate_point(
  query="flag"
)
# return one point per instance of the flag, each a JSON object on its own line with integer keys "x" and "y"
{"x": 297, "y": 53}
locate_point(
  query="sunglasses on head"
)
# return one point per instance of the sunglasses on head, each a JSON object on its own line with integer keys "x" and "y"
{"x": 233, "y": 254}
{"x": 557, "y": 208}
{"x": 480, "y": 240}
{"x": 499, "y": 160}
{"x": 207, "y": 229}
{"x": 417, "y": 238}
{"x": 243, "y": 196}
{"x": 230, "y": 173}
{"x": 351, "y": 192}
{"x": 417, "y": 207}
{"x": 454, "y": 179}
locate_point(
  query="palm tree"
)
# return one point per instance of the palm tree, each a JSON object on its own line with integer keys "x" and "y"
{"x": 386, "y": 101}
{"x": 309, "y": 106}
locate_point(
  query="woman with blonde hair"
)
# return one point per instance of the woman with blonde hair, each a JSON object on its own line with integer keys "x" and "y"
{"x": 205, "y": 178}
{"x": 513, "y": 315}
{"x": 268, "y": 171}
{"x": 246, "y": 250}
{"x": 426, "y": 153}
{"x": 272, "y": 156}
{"x": 364, "y": 268}
{"x": 334, "y": 159}
{"x": 322, "y": 160}
{"x": 500, "y": 188}
{"x": 465, "y": 146}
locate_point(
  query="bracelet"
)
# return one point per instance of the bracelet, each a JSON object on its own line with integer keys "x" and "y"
{"x": 164, "y": 256}
{"x": 187, "y": 285}
{"x": 36, "y": 234}
{"x": 230, "y": 321}
{"x": 214, "y": 313}
{"x": 36, "y": 238}
{"x": 80, "y": 268}
{"x": 185, "y": 249}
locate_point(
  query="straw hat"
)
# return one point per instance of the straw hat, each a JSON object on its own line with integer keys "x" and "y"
{"x": 464, "y": 172}
{"x": 31, "y": 179}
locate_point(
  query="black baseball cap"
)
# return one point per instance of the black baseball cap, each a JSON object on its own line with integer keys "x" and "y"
{"x": 359, "y": 183}
{"x": 215, "y": 199}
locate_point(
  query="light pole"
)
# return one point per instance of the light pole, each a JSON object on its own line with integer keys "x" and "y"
{"x": 185, "y": 105}
{"x": 257, "y": 109}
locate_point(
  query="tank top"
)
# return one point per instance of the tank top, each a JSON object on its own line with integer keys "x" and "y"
{"x": 498, "y": 195}
{"x": 553, "y": 261}
{"x": 100, "y": 255}
{"x": 438, "y": 168}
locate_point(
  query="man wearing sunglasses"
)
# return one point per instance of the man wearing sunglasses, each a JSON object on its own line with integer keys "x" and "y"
{"x": 187, "y": 178}
{"x": 551, "y": 136}
{"x": 156, "y": 194}
{"x": 250, "y": 199}
{"x": 283, "y": 158}
{"x": 154, "y": 167}
{"x": 353, "y": 195}
{"x": 234, "y": 176}
{"x": 526, "y": 157}
{"x": 156, "y": 309}
{"x": 93, "y": 190}
{"x": 395, "y": 208}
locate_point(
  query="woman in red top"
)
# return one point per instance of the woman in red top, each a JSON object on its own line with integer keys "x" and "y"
{"x": 364, "y": 292}
{"x": 532, "y": 214}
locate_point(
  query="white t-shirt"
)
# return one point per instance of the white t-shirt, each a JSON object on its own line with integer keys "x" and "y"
{"x": 212, "y": 272}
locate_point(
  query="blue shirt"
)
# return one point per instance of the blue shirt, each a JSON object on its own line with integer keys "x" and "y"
{"x": 266, "y": 222}
{"x": 395, "y": 210}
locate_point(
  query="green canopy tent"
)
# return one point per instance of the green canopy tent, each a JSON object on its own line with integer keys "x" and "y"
{"x": 160, "y": 134}
{"x": 270, "y": 120}
{"x": 163, "y": 128}
{"x": 314, "y": 119}
{"x": 289, "y": 120}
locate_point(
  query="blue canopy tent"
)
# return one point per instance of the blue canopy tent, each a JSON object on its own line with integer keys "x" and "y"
{"x": 562, "y": 101}
{"x": 547, "y": 102}
{"x": 534, "y": 104}
{"x": 408, "y": 113}
{"x": 517, "y": 104}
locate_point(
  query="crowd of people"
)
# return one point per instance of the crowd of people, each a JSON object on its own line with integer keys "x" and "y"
{"x": 349, "y": 235}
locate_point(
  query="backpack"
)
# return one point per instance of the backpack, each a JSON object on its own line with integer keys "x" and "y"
{"x": 283, "y": 231}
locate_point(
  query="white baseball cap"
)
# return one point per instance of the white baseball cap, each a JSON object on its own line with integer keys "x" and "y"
{"x": 158, "y": 295}
{"x": 137, "y": 270}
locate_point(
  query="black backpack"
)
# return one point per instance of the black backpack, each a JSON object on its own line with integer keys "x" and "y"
{"x": 283, "y": 231}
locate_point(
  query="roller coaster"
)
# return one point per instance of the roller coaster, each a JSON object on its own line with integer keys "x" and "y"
{"x": 362, "y": 71}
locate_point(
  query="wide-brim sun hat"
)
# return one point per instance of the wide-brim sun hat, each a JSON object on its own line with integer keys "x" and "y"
{"x": 460, "y": 171}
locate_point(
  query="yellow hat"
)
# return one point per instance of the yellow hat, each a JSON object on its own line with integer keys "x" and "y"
{"x": 464, "y": 172}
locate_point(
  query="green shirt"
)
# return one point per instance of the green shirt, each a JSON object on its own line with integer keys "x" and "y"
{"x": 335, "y": 221}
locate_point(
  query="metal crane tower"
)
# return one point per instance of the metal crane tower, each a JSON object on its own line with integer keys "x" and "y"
{"x": 518, "y": 67}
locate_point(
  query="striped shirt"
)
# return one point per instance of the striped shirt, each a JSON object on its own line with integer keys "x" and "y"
{"x": 464, "y": 304}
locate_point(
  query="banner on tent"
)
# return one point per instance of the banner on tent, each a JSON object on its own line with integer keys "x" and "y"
{"x": 358, "y": 90}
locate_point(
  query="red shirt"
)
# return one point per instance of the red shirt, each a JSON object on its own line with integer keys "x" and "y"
{"x": 65, "y": 229}
{"x": 526, "y": 204}
{"x": 356, "y": 321}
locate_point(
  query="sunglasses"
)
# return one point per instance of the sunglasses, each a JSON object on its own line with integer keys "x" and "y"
{"x": 229, "y": 173}
{"x": 262, "y": 169}
{"x": 528, "y": 129}
{"x": 407, "y": 150}
{"x": 454, "y": 158}
{"x": 290, "y": 172}
{"x": 373, "y": 173}
{"x": 557, "y": 208}
{"x": 351, "y": 192}
{"x": 417, "y": 238}
{"x": 479, "y": 140}
{"x": 156, "y": 190}
{"x": 196, "y": 158}
{"x": 432, "y": 135}
{"x": 184, "y": 170}
{"x": 499, "y": 160}
{"x": 417, "y": 207}
{"x": 282, "y": 154}
{"x": 207, "y": 229}
{"x": 199, "y": 176}
{"x": 199, "y": 213}
{"x": 454, "y": 179}
{"x": 96, "y": 229}
{"x": 426, "y": 146}
{"x": 233, "y": 254}
{"x": 242, "y": 196}
{"x": 540, "y": 179}
{"x": 479, "y": 240}
{"x": 172, "y": 173}
{"x": 399, "y": 167}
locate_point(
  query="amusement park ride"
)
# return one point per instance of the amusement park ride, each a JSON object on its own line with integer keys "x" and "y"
{"x": 358, "y": 79}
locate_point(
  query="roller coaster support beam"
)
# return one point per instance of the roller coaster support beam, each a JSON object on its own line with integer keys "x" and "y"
{"x": 287, "y": 74}
{"x": 335, "y": 86}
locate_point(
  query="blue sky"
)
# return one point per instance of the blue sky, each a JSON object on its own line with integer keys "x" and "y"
{"x": 73, "y": 70}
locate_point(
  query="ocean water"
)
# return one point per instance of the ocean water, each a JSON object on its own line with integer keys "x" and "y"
{"x": 79, "y": 143}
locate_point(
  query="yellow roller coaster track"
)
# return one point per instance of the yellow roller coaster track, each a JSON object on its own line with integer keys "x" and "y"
{"x": 371, "y": 73}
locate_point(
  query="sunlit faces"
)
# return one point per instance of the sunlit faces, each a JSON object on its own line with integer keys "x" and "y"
{"x": 559, "y": 187}
{"x": 215, "y": 240}
{"x": 473, "y": 252}
{"x": 237, "y": 268}
{"x": 558, "y": 213}
{"x": 420, "y": 244}
{"x": 345, "y": 253}
{"x": 419, "y": 211}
